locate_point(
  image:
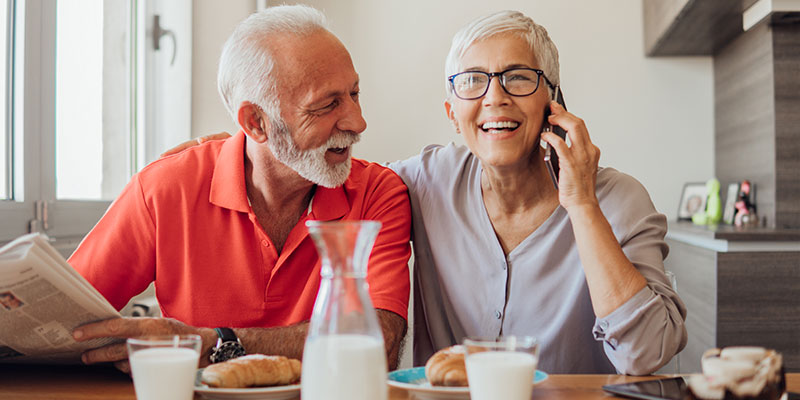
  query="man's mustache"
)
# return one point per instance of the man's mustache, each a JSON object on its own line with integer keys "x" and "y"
{"x": 343, "y": 139}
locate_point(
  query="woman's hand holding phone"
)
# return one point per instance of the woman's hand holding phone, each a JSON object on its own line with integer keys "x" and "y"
{"x": 577, "y": 163}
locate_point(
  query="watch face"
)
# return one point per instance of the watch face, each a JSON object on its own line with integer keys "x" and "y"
{"x": 227, "y": 351}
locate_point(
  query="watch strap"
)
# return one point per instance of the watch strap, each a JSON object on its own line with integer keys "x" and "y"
{"x": 226, "y": 335}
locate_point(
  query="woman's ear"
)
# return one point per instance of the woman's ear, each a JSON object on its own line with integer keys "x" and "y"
{"x": 451, "y": 115}
{"x": 253, "y": 121}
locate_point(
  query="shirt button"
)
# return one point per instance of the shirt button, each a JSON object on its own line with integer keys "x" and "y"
{"x": 604, "y": 325}
{"x": 497, "y": 314}
{"x": 265, "y": 243}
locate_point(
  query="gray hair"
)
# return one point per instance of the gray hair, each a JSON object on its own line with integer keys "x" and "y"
{"x": 504, "y": 22}
{"x": 246, "y": 64}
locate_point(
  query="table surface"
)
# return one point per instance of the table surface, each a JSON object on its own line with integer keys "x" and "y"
{"x": 26, "y": 382}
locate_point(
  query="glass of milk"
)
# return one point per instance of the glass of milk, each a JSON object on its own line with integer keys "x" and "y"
{"x": 502, "y": 367}
{"x": 164, "y": 367}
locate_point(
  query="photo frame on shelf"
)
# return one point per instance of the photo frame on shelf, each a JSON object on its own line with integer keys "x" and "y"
{"x": 730, "y": 203}
{"x": 693, "y": 199}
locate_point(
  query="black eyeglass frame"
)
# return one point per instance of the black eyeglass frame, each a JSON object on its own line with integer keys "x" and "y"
{"x": 539, "y": 74}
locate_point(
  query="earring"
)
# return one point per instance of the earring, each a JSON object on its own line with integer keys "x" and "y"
{"x": 455, "y": 121}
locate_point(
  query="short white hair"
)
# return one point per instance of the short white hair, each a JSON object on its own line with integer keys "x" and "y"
{"x": 246, "y": 64}
{"x": 515, "y": 22}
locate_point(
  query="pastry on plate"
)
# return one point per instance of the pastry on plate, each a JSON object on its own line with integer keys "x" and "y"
{"x": 446, "y": 367}
{"x": 252, "y": 370}
{"x": 739, "y": 373}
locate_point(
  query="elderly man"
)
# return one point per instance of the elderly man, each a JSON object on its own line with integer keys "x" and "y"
{"x": 220, "y": 228}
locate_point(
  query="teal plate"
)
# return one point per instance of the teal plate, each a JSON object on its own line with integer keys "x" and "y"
{"x": 413, "y": 380}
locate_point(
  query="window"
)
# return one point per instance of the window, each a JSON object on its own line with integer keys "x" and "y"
{"x": 92, "y": 135}
{"x": 82, "y": 84}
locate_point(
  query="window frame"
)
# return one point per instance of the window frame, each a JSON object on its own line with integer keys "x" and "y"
{"x": 32, "y": 122}
{"x": 36, "y": 47}
{"x": 9, "y": 99}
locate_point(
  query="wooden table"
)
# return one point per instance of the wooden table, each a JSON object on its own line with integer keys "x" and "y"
{"x": 28, "y": 382}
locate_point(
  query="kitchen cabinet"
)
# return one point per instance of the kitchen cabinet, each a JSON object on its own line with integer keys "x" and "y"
{"x": 741, "y": 287}
{"x": 691, "y": 27}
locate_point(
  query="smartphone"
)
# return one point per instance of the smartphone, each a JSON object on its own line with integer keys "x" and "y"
{"x": 660, "y": 389}
{"x": 550, "y": 156}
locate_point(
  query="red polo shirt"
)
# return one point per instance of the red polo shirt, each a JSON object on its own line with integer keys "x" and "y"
{"x": 185, "y": 222}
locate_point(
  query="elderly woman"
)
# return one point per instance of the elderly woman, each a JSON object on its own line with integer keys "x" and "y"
{"x": 500, "y": 251}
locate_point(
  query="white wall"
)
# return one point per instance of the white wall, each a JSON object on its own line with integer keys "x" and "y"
{"x": 651, "y": 117}
{"x": 212, "y": 22}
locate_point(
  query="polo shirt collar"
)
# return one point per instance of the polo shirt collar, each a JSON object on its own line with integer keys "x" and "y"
{"x": 228, "y": 187}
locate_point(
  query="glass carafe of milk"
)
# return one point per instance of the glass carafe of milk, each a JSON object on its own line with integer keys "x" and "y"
{"x": 344, "y": 356}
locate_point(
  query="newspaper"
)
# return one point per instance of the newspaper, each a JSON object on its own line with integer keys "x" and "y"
{"x": 42, "y": 300}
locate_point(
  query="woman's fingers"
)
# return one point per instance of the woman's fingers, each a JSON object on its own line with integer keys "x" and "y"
{"x": 577, "y": 163}
{"x": 194, "y": 142}
{"x": 557, "y": 143}
{"x": 575, "y": 127}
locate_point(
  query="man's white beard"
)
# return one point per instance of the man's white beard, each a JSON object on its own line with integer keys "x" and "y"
{"x": 311, "y": 164}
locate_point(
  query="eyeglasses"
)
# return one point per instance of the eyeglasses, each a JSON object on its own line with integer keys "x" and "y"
{"x": 519, "y": 82}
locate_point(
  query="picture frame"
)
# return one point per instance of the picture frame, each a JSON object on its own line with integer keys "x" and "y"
{"x": 693, "y": 199}
{"x": 729, "y": 211}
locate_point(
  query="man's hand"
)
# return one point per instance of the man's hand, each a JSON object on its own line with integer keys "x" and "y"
{"x": 194, "y": 142}
{"x": 135, "y": 327}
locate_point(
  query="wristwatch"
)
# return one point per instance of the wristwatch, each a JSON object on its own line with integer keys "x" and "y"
{"x": 228, "y": 346}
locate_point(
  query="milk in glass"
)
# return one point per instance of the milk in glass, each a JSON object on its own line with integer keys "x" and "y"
{"x": 504, "y": 375}
{"x": 164, "y": 373}
{"x": 344, "y": 367}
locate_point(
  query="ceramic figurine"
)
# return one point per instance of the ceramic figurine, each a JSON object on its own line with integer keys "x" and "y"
{"x": 745, "y": 209}
{"x": 713, "y": 212}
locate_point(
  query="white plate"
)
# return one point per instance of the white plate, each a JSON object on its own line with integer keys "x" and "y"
{"x": 286, "y": 392}
{"x": 413, "y": 380}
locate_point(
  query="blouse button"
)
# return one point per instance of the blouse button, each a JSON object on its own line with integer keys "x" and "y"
{"x": 265, "y": 243}
{"x": 497, "y": 314}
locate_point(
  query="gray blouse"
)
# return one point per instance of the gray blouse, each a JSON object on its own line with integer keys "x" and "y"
{"x": 464, "y": 285}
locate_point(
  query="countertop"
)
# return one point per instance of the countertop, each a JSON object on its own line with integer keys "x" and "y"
{"x": 735, "y": 233}
{"x": 729, "y": 238}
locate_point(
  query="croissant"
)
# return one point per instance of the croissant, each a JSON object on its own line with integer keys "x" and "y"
{"x": 446, "y": 367}
{"x": 252, "y": 370}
